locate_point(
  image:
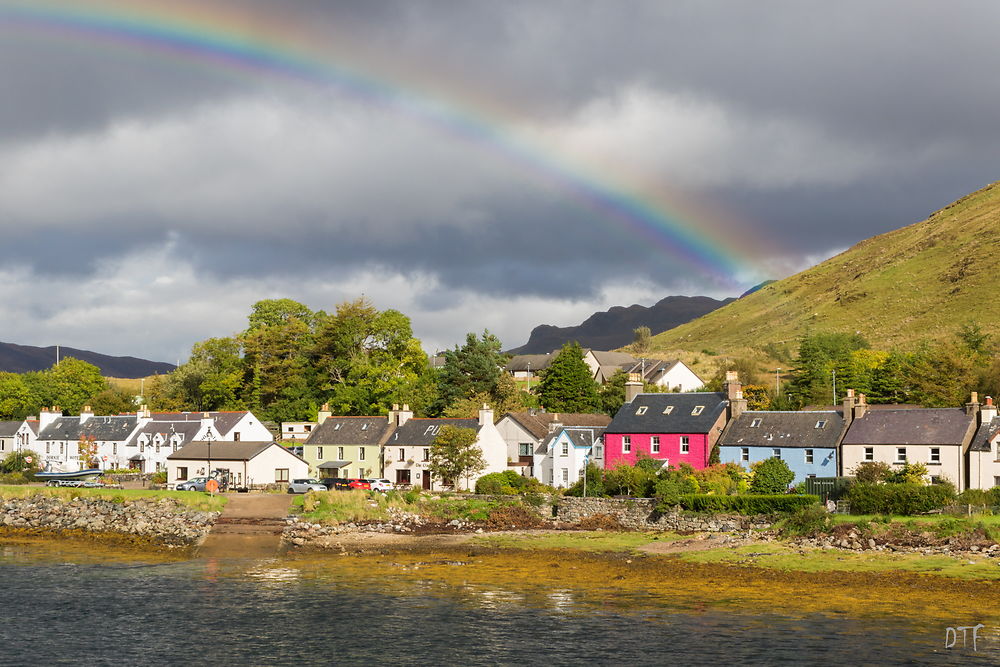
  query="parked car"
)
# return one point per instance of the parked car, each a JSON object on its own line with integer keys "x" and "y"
{"x": 306, "y": 485}
{"x": 380, "y": 484}
{"x": 358, "y": 484}
{"x": 193, "y": 484}
{"x": 335, "y": 482}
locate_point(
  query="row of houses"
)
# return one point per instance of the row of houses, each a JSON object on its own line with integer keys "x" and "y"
{"x": 672, "y": 374}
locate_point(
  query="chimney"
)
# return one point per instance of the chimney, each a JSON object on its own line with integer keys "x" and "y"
{"x": 143, "y": 412}
{"x": 860, "y": 408}
{"x": 633, "y": 387}
{"x": 972, "y": 407}
{"x": 86, "y": 412}
{"x": 849, "y": 402}
{"x": 46, "y": 417}
{"x": 404, "y": 415}
{"x": 734, "y": 389}
{"x": 207, "y": 422}
{"x": 737, "y": 404}
{"x": 485, "y": 415}
{"x": 988, "y": 411}
{"x": 324, "y": 413}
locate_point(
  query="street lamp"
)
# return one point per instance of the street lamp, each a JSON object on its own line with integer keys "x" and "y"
{"x": 208, "y": 440}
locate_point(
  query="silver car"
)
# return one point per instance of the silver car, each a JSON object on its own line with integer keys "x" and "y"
{"x": 193, "y": 484}
{"x": 305, "y": 485}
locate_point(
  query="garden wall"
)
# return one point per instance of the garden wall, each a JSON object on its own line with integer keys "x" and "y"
{"x": 641, "y": 514}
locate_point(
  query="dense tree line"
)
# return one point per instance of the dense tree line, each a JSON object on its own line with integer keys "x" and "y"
{"x": 70, "y": 384}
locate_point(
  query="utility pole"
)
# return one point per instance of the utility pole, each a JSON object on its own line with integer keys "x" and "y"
{"x": 777, "y": 389}
{"x": 834, "y": 386}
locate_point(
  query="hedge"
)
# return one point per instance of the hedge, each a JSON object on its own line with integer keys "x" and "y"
{"x": 746, "y": 504}
{"x": 900, "y": 499}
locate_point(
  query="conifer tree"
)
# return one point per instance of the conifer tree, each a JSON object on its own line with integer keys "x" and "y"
{"x": 567, "y": 384}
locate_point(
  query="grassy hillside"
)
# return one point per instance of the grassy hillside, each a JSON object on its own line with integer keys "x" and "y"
{"x": 919, "y": 282}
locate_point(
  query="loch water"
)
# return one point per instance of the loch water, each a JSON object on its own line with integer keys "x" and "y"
{"x": 64, "y": 606}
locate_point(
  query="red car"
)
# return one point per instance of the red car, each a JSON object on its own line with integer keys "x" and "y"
{"x": 358, "y": 484}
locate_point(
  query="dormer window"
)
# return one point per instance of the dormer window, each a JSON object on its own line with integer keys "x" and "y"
{"x": 336, "y": 427}
{"x": 755, "y": 423}
{"x": 641, "y": 410}
{"x": 821, "y": 423}
{"x": 667, "y": 410}
{"x": 364, "y": 427}
{"x": 697, "y": 410}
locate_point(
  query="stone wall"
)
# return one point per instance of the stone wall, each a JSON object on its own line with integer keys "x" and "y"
{"x": 640, "y": 514}
{"x": 166, "y": 522}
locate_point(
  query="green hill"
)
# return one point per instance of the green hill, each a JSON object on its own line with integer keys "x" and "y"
{"x": 919, "y": 282}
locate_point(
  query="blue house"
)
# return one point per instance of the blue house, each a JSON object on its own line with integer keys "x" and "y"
{"x": 806, "y": 441}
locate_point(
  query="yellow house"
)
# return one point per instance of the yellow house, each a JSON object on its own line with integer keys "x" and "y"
{"x": 348, "y": 447}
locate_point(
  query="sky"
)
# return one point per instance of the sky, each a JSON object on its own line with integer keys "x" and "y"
{"x": 475, "y": 165}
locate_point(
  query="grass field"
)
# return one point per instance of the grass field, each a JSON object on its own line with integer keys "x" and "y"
{"x": 199, "y": 501}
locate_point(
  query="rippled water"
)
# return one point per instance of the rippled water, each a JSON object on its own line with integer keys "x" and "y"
{"x": 66, "y": 607}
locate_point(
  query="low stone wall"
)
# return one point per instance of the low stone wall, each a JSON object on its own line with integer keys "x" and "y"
{"x": 641, "y": 514}
{"x": 164, "y": 522}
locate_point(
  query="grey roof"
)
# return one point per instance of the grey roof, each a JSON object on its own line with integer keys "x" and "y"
{"x": 189, "y": 429}
{"x": 679, "y": 419}
{"x": 578, "y": 437}
{"x": 421, "y": 432}
{"x": 102, "y": 429}
{"x": 984, "y": 434}
{"x": 784, "y": 429}
{"x": 9, "y": 429}
{"x": 539, "y": 423}
{"x": 605, "y": 358}
{"x": 223, "y": 450}
{"x": 925, "y": 426}
{"x": 333, "y": 464}
{"x": 349, "y": 431}
{"x": 524, "y": 362}
{"x": 224, "y": 421}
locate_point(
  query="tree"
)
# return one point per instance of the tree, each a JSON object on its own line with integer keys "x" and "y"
{"x": 86, "y": 449}
{"x": 112, "y": 401}
{"x": 17, "y": 400}
{"x": 567, "y": 384}
{"x": 68, "y": 384}
{"x": 641, "y": 340}
{"x": 819, "y": 355}
{"x": 612, "y": 393}
{"x": 473, "y": 370}
{"x": 758, "y": 397}
{"x": 771, "y": 476}
{"x": 24, "y": 460}
{"x": 456, "y": 455}
{"x": 871, "y": 472}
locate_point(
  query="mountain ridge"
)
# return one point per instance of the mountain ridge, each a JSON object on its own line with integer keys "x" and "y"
{"x": 16, "y": 358}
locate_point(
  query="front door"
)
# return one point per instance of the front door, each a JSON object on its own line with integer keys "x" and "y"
{"x": 427, "y": 481}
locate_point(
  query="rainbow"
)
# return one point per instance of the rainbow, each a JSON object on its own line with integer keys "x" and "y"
{"x": 253, "y": 45}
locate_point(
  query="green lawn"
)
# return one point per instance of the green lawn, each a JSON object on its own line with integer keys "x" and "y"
{"x": 196, "y": 500}
{"x": 784, "y": 557}
{"x": 585, "y": 540}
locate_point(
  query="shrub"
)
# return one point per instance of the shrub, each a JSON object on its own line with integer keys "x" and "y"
{"x": 908, "y": 473}
{"x": 771, "y": 476}
{"x": 595, "y": 484}
{"x": 749, "y": 504}
{"x": 507, "y": 483}
{"x": 903, "y": 499}
{"x": 806, "y": 521}
{"x": 159, "y": 477}
{"x": 723, "y": 479}
{"x": 17, "y": 462}
{"x": 871, "y": 472}
{"x": 626, "y": 480}
{"x": 671, "y": 487}
{"x": 980, "y": 497}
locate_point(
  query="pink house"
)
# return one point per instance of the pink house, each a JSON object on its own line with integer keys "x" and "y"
{"x": 675, "y": 428}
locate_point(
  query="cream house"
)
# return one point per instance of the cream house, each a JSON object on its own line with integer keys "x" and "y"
{"x": 984, "y": 452}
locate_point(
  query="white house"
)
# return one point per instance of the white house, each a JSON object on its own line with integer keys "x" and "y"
{"x": 59, "y": 437}
{"x": 672, "y": 374}
{"x": 984, "y": 452}
{"x": 298, "y": 431}
{"x": 566, "y": 453}
{"x": 17, "y": 435}
{"x": 407, "y": 451}
{"x": 246, "y": 463}
{"x": 524, "y": 433}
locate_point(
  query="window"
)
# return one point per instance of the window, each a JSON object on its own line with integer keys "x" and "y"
{"x": 364, "y": 427}
{"x": 685, "y": 444}
{"x": 361, "y": 453}
{"x": 935, "y": 455}
{"x": 340, "y": 453}
{"x": 236, "y": 436}
{"x": 309, "y": 428}
{"x": 869, "y": 453}
{"x": 427, "y": 453}
{"x": 667, "y": 410}
{"x": 809, "y": 456}
{"x": 565, "y": 449}
{"x": 697, "y": 410}
{"x": 319, "y": 453}
{"x": 524, "y": 449}
{"x": 745, "y": 454}
{"x": 626, "y": 444}
{"x": 776, "y": 453}
{"x": 821, "y": 423}
{"x": 182, "y": 474}
{"x": 290, "y": 429}
{"x": 642, "y": 410}
{"x": 281, "y": 474}
{"x": 598, "y": 452}
{"x": 565, "y": 476}
{"x": 114, "y": 449}
{"x": 48, "y": 448}
{"x": 402, "y": 454}
{"x": 157, "y": 446}
{"x": 755, "y": 423}
{"x": 996, "y": 481}
{"x": 654, "y": 445}
{"x": 901, "y": 455}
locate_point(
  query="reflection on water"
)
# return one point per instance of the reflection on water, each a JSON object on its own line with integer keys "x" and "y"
{"x": 102, "y": 607}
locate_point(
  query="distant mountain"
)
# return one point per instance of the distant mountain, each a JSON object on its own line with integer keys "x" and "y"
{"x": 614, "y": 328}
{"x": 918, "y": 283}
{"x": 22, "y": 358}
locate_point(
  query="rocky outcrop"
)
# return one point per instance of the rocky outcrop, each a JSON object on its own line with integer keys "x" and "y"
{"x": 165, "y": 522}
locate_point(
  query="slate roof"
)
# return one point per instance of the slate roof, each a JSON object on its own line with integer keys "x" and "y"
{"x": 925, "y": 426}
{"x": 984, "y": 435}
{"x": 224, "y": 421}
{"x": 784, "y": 429}
{"x": 578, "y": 437}
{"x": 524, "y": 362}
{"x": 9, "y": 429}
{"x": 538, "y": 423}
{"x": 33, "y": 425}
{"x": 103, "y": 429}
{"x": 349, "y": 431}
{"x": 421, "y": 432}
{"x": 189, "y": 429}
{"x": 605, "y": 358}
{"x": 655, "y": 419}
{"x": 223, "y": 450}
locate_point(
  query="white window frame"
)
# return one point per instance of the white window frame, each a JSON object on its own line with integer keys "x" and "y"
{"x": 776, "y": 453}
{"x": 809, "y": 456}
{"x": 935, "y": 455}
{"x": 869, "y": 454}
{"x": 755, "y": 423}
{"x": 901, "y": 455}
{"x": 641, "y": 410}
{"x": 685, "y": 444}
{"x": 654, "y": 444}
{"x": 565, "y": 449}
{"x": 745, "y": 454}
{"x": 626, "y": 444}
{"x": 698, "y": 409}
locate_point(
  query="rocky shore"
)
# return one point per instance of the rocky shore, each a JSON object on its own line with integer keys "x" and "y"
{"x": 164, "y": 522}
